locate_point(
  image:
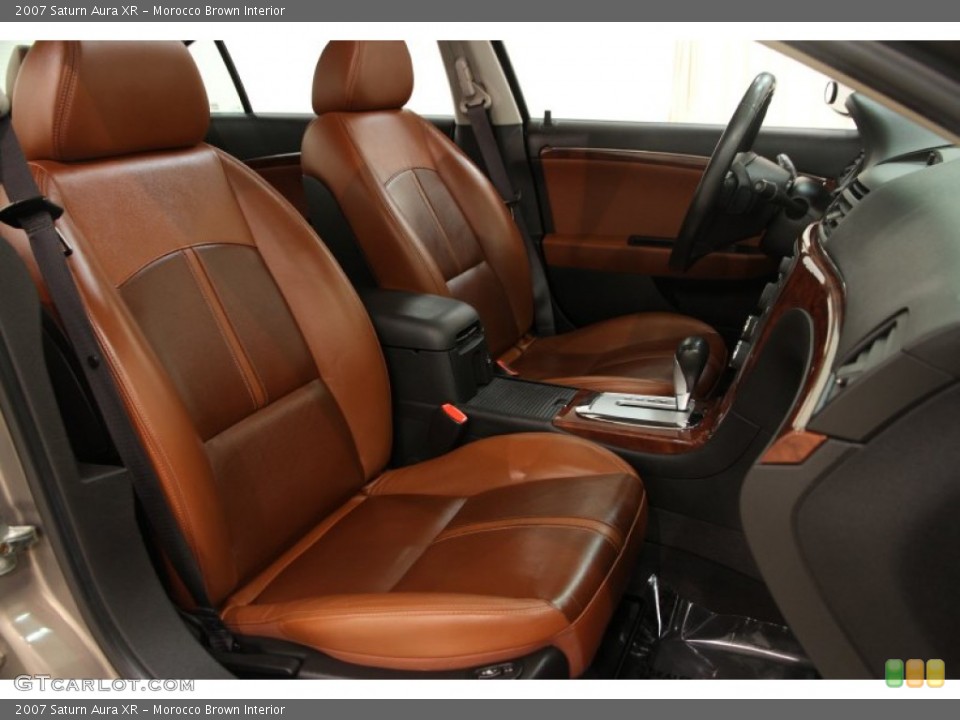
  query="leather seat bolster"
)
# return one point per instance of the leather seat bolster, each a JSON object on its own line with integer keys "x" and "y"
{"x": 390, "y": 247}
{"x": 341, "y": 338}
{"x": 579, "y": 642}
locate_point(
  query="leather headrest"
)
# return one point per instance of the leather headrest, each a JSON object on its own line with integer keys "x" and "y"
{"x": 83, "y": 100}
{"x": 359, "y": 76}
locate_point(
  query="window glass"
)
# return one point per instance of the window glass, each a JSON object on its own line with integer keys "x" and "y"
{"x": 278, "y": 75}
{"x": 221, "y": 92}
{"x": 684, "y": 81}
{"x": 6, "y": 52}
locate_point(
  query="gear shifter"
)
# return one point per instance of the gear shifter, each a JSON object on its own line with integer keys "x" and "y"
{"x": 657, "y": 410}
{"x": 691, "y": 359}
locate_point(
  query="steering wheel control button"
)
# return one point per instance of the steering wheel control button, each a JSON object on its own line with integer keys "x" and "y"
{"x": 739, "y": 356}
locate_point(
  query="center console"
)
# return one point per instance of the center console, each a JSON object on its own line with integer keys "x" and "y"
{"x": 691, "y": 452}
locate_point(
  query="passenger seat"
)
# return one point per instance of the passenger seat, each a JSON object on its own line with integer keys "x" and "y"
{"x": 255, "y": 380}
{"x": 429, "y": 221}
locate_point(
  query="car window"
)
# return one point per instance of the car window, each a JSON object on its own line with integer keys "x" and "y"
{"x": 6, "y": 53}
{"x": 221, "y": 91}
{"x": 277, "y": 75}
{"x": 668, "y": 80}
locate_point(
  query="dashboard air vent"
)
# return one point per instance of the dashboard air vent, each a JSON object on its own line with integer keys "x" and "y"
{"x": 884, "y": 343}
{"x": 846, "y": 200}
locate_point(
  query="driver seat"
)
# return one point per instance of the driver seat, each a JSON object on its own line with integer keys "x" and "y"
{"x": 428, "y": 221}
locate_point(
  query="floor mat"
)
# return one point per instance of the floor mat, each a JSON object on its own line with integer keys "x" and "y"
{"x": 664, "y": 635}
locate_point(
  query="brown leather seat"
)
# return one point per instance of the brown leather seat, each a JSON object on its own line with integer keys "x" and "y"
{"x": 429, "y": 221}
{"x": 255, "y": 379}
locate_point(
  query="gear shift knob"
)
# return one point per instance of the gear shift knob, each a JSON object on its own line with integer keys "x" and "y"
{"x": 691, "y": 359}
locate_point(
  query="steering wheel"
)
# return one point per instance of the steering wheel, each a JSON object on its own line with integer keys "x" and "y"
{"x": 693, "y": 241}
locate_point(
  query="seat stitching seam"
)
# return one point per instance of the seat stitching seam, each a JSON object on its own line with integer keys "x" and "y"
{"x": 306, "y": 549}
{"x": 354, "y": 73}
{"x": 202, "y": 282}
{"x": 227, "y": 160}
{"x": 426, "y": 129}
{"x": 298, "y": 614}
{"x": 66, "y": 98}
{"x": 260, "y": 385}
{"x": 437, "y": 223}
{"x": 391, "y": 179}
{"x": 367, "y": 175}
{"x": 267, "y": 406}
{"x": 599, "y": 527}
{"x": 481, "y": 261}
{"x": 556, "y": 525}
{"x": 150, "y": 263}
{"x": 427, "y": 546}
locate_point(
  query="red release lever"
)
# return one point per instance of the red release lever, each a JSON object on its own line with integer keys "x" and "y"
{"x": 507, "y": 369}
{"x": 454, "y": 413}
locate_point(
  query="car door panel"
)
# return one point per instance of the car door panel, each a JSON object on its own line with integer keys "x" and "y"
{"x": 613, "y": 197}
{"x": 820, "y": 152}
{"x": 620, "y": 210}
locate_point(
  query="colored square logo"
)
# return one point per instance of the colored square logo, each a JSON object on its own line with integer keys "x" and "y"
{"x": 914, "y": 673}
{"x": 936, "y": 673}
{"x": 893, "y": 672}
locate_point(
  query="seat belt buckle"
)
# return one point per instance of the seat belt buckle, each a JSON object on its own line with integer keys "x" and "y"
{"x": 14, "y": 213}
{"x": 446, "y": 430}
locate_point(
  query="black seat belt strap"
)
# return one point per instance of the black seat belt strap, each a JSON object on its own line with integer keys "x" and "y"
{"x": 33, "y": 213}
{"x": 475, "y": 104}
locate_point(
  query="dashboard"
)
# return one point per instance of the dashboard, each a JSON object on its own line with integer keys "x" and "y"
{"x": 851, "y": 513}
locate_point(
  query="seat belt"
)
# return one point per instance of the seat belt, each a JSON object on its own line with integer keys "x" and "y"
{"x": 30, "y": 211}
{"x": 475, "y": 103}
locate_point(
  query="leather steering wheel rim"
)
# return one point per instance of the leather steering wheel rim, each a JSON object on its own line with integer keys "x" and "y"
{"x": 739, "y": 135}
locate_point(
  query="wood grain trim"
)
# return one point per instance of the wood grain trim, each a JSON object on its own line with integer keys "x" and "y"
{"x": 792, "y": 448}
{"x": 613, "y": 254}
{"x": 646, "y": 157}
{"x": 661, "y": 441}
{"x": 814, "y": 286}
